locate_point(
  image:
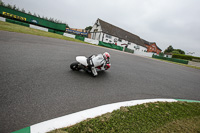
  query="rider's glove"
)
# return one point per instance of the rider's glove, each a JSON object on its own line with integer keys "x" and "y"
{"x": 107, "y": 66}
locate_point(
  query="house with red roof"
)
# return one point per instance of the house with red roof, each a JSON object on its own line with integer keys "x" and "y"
{"x": 152, "y": 47}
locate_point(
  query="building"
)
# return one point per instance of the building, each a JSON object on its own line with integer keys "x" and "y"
{"x": 152, "y": 47}
{"x": 105, "y": 32}
{"x": 81, "y": 32}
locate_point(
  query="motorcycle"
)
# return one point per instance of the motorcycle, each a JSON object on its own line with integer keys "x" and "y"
{"x": 82, "y": 64}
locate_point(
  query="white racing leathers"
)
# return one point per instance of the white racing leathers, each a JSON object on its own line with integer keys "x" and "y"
{"x": 98, "y": 62}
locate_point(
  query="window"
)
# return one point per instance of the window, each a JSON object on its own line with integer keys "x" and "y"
{"x": 120, "y": 40}
{"x": 95, "y": 30}
{"x": 137, "y": 47}
{"x": 108, "y": 36}
{"x": 129, "y": 43}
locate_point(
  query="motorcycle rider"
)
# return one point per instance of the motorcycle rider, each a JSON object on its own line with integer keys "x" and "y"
{"x": 100, "y": 61}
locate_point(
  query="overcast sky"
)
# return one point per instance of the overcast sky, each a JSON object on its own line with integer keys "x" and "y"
{"x": 166, "y": 22}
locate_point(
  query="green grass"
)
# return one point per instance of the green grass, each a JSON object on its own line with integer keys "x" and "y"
{"x": 150, "y": 117}
{"x": 5, "y": 26}
{"x": 178, "y": 63}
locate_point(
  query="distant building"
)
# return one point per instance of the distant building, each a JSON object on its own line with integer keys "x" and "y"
{"x": 109, "y": 33}
{"x": 152, "y": 47}
{"x": 81, "y": 32}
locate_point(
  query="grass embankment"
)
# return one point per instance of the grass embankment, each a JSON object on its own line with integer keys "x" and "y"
{"x": 150, "y": 117}
{"x": 26, "y": 30}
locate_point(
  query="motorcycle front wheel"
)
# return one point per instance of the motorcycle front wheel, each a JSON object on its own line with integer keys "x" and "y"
{"x": 75, "y": 66}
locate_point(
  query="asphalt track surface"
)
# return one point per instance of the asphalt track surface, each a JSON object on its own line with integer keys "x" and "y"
{"x": 37, "y": 84}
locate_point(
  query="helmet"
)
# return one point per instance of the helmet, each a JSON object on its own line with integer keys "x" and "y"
{"x": 106, "y": 55}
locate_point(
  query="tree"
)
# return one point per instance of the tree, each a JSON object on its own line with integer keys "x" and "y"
{"x": 175, "y": 52}
{"x": 29, "y": 13}
{"x": 14, "y": 7}
{"x": 88, "y": 28}
{"x": 169, "y": 49}
{"x": 161, "y": 54}
{"x": 2, "y": 3}
{"x": 9, "y": 6}
{"x": 180, "y": 51}
{"x": 22, "y": 10}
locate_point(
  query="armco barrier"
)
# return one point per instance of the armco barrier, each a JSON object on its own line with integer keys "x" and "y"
{"x": 171, "y": 59}
{"x": 96, "y": 42}
{"x": 17, "y": 22}
{"x": 17, "y": 15}
{"x": 110, "y": 45}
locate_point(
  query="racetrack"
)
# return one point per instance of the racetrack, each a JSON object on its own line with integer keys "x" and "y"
{"x": 37, "y": 84}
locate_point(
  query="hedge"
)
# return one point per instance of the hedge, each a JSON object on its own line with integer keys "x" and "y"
{"x": 185, "y": 57}
{"x": 170, "y": 59}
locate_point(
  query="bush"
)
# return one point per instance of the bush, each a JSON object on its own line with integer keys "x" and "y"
{"x": 185, "y": 57}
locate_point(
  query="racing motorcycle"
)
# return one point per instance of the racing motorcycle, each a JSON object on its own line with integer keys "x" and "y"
{"x": 82, "y": 64}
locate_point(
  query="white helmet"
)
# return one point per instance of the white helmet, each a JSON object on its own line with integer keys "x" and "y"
{"x": 106, "y": 55}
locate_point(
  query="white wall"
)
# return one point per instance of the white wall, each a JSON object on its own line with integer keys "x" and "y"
{"x": 96, "y": 32}
{"x": 136, "y": 52}
{"x": 96, "y": 27}
{"x": 69, "y": 35}
{"x": 2, "y": 19}
{"x": 100, "y": 36}
{"x": 111, "y": 39}
{"x": 96, "y": 42}
{"x": 38, "y": 28}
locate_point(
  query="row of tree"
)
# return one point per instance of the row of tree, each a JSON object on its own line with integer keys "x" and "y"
{"x": 34, "y": 14}
{"x": 171, "y": 50}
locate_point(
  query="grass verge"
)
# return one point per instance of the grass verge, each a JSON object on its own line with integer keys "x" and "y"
{"x": 150, "y": 117}
{"x": 178, "y": 63}
{"x": 5, "y": 26}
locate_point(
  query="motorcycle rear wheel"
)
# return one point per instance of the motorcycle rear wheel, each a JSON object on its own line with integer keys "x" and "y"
{"x": 75, "y": 66}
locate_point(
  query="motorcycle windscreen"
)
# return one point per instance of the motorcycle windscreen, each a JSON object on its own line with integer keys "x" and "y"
{"x": 82, "y": 60}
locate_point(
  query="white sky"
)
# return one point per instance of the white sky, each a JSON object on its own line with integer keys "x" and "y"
{"x": 166, "y": 22}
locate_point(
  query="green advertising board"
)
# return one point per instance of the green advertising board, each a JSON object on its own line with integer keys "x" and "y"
{"x": 23, "y": 17}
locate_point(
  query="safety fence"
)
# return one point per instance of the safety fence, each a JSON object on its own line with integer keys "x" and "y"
{"x": 30, "y": 19}
{"x": 171, "y": 59}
